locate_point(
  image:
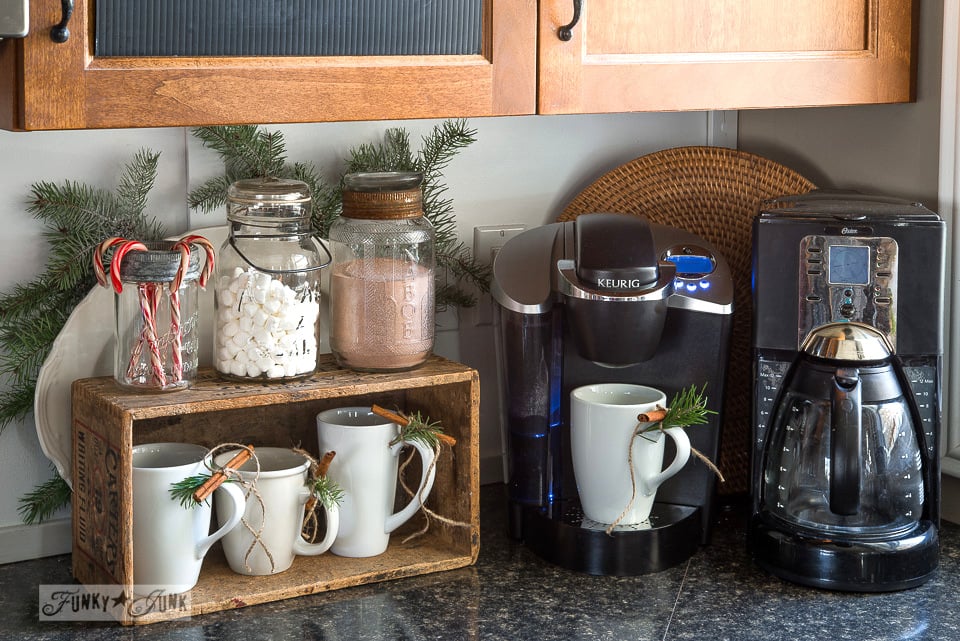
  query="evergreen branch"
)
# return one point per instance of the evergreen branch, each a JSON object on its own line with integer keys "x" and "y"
{"x": 183, "y": 491}
{"x": 76, "y": 218}
{"x": 442, "y": 144}
{"x": 688, "y": 407}
{"x": 452, "y": 295}
{"x": 33, "y": 299}
{"x": 391, "y": 154}
{"x": 246, "y": 150}
{"x": 70, "y": 206}
{"x": 459, "y": 261}
{"x": 16, "y": 402}
{"x": 44, "y": 501}
{"x": 136, "y": 182}
{"x": 327, "y": 492}
{"x": 26, "y": 351}
{"x": 422, "y": 429}
{"x": 211, "y": 195}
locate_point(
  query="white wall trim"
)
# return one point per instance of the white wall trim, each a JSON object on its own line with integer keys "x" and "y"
{"x": 722, "y": 128}
{"x": 25, "y": 542}
{"x": 949, "y": 197}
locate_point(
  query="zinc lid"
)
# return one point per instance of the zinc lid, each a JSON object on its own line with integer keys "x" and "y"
{"x": 384, "y": 195}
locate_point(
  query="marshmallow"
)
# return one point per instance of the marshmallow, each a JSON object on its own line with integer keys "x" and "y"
{"x": 265, "y": 327}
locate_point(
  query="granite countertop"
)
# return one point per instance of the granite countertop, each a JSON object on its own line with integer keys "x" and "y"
{"x": 511, "y": 594}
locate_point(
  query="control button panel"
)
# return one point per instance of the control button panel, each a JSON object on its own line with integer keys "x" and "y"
{"x": 847, "y": 278}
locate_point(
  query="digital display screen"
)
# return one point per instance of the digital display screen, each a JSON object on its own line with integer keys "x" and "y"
{"x": 849, "y": 265}
{"x": 691, "y": 264}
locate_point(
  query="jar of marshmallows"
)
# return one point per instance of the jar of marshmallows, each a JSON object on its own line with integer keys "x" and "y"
{"x": 267, "y": 295}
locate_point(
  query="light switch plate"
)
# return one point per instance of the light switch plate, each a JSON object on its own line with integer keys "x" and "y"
{"x": 14, "y": 18}
{"x": 488, "y": 239}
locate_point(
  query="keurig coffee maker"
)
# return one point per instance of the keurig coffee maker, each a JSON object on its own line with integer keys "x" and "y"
{"x": 607, "y": 298}
{"x": 848, "y": 339}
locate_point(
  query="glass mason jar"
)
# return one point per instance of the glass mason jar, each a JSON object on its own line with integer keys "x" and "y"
{"x": 267, "y": 294}
{"x": 157, "y": 336}
{"x": 382, "y": 279}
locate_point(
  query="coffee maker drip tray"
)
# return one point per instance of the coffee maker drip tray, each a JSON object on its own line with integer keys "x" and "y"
{"x": 561, "y": 534}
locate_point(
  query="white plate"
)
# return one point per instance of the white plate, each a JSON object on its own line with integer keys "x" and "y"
{"x": 84, "y": 348}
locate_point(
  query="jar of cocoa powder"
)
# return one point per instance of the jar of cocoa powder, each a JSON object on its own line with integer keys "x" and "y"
{"x": 267, "y": 293}
{"x": 382, "y": 278}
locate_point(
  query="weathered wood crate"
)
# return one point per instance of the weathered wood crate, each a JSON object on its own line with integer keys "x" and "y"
{"x": 108, "y": 421}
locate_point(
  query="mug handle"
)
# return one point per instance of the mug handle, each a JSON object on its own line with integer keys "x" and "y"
{"x": 649, "y": 485}
{"x": 427, "y": 475}
{"x": 239, "y": 505}
{"x": 300, "y": 545}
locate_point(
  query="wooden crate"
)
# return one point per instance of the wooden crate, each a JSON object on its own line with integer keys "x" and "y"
{"x": 108, "y": 421}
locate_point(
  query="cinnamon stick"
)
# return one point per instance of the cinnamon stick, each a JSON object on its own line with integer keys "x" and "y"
{"x": 217, "y": 478}
{"x": 324, "y": 465}
{"x": 393, "y": 417}
{"x": 403, "y": 421}
{"x": 653, "y": 416}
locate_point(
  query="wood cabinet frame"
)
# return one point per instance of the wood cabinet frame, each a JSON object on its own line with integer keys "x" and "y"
{"x": 578, "y": 76}
{"x": 46, "y": 85}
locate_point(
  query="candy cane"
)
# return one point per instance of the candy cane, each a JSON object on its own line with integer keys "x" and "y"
{"x": 98, "y": 253}
{"x": 175, "y": 327}
{"x": 208, "y": 249}
{"x": 149, "y": 302}
{"x": 122, "y": 250}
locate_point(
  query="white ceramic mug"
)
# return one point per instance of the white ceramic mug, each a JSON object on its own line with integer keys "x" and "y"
{"x": 282, "y": 485}
{"x": 365, "y": 467}
{"x": 170, "y": 540}
{"x": 603, "y": 418}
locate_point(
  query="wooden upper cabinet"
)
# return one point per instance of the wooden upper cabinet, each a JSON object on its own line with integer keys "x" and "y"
{"x": 623, "y": 55}
{"x": 46, "y": 85}
{"x": 660, "y": 55}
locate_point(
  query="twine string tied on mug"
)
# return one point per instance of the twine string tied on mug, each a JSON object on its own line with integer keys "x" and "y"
{"x": 689, "y": 407}
{"x": 230, "y": 472}
{"x": 416, "y": 427}
{"x": 320, "y": 486}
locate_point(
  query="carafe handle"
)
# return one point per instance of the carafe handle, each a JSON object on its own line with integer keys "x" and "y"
{"x": 845, "y": 443}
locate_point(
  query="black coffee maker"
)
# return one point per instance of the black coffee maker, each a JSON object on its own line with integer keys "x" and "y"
{"x": 607, "y": 298}
{"x": 848, "y": 301}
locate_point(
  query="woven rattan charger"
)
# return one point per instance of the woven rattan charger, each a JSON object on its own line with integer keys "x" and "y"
{"x": 715, "y": 193}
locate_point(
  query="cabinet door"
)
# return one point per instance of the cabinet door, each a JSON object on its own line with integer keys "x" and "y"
{"x": 46, "y": 85}
{"x": 653, "y": 55}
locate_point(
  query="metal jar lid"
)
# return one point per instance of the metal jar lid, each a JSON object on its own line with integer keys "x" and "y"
{"x": 849, "y": 341}
{"x": 159, "y": 264}
{"x": 383, "y": 195}
{"x": 268, "y": 198}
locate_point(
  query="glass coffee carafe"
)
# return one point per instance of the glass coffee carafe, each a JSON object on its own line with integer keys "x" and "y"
{"x": 842, "y": 457}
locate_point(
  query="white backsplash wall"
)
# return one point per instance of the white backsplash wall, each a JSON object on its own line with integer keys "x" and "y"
{"x": 520, "y": 170}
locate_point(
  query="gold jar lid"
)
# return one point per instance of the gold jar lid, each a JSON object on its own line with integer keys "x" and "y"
{"x": 383, "y": 195}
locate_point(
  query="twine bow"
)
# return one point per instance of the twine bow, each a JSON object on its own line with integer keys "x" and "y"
{"x": 643, "y": 426}
{"x": 437, "y": 443}
{"x": 228, "y": 473}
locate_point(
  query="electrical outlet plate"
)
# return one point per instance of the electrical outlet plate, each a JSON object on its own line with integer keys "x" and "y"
{"x": 488, "y": 239}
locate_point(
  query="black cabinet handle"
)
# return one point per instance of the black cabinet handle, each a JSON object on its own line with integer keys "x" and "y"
{"x": 59, "y": 32}
{"x": 565, "y": 32}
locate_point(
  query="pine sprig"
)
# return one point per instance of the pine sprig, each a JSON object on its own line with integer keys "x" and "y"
{"x": 44, "y": 501}
{"x": 76, "y": 217}
{"x": 327, "y": 492}
{"x": 183, "y": 491}
{"x": 420, "y": 428}
{"x": 248, "y": 152}
{"x": 688, "y": 407}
